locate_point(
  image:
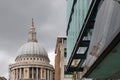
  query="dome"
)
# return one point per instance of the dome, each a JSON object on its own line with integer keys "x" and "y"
{"x": 32, "y": 48}
{"x": 32, "y": 61}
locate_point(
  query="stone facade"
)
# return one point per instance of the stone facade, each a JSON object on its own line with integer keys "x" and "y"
{"x": 57, "y": 64}
{"x": 60, "y": 60}
{"x": 31, "y": 68}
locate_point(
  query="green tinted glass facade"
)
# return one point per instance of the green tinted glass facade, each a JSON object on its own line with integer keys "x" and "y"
{"x": 77, "y": 18}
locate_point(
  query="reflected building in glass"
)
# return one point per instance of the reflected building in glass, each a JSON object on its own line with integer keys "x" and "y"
{"x": 76, "y": 15}
{"x": 93, "y": 38}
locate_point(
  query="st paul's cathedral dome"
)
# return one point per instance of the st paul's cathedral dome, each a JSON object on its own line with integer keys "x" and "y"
{"x": 33, "y": 61}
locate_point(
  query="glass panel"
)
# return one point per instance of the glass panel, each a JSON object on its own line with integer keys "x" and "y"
{"x": 107, "y": 26}
{"x": 80, "y": 11}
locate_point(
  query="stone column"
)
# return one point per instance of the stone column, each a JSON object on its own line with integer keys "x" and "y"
{"x": 16, "y": 74}
{"x": 26, "y": 73}
{"x": 39, "y": 73}
{"x": 36, "y": 73}
{"x": 10, "y": 74}
{"x": 32, "y": 73}
{"x": 20, "y": 73}
{"x": 49, "y": 75}
{"x": 46, "y": 75}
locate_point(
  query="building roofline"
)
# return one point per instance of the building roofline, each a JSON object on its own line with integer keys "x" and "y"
{"x": 61, "y": 36}
{"x": 57, "y": 41}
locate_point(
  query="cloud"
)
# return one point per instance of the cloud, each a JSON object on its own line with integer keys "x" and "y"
{"x": 5, "y": 60}
{"x": 51, "y": 56}
{"x": 15, "y": 20}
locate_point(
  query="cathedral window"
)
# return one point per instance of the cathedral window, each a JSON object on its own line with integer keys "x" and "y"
{"x": 34, "y": 58}
{"x": 40, "y": 59}
{"x": 37, "y": 58}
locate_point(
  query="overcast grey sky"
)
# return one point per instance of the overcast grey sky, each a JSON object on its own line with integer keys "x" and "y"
{"x": 15, "y": 21}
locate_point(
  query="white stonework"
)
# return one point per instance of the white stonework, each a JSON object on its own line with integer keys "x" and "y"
{"x": 33, "y": 61}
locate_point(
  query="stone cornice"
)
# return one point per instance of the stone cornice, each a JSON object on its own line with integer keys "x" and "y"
{"x": 31, "y": 65}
